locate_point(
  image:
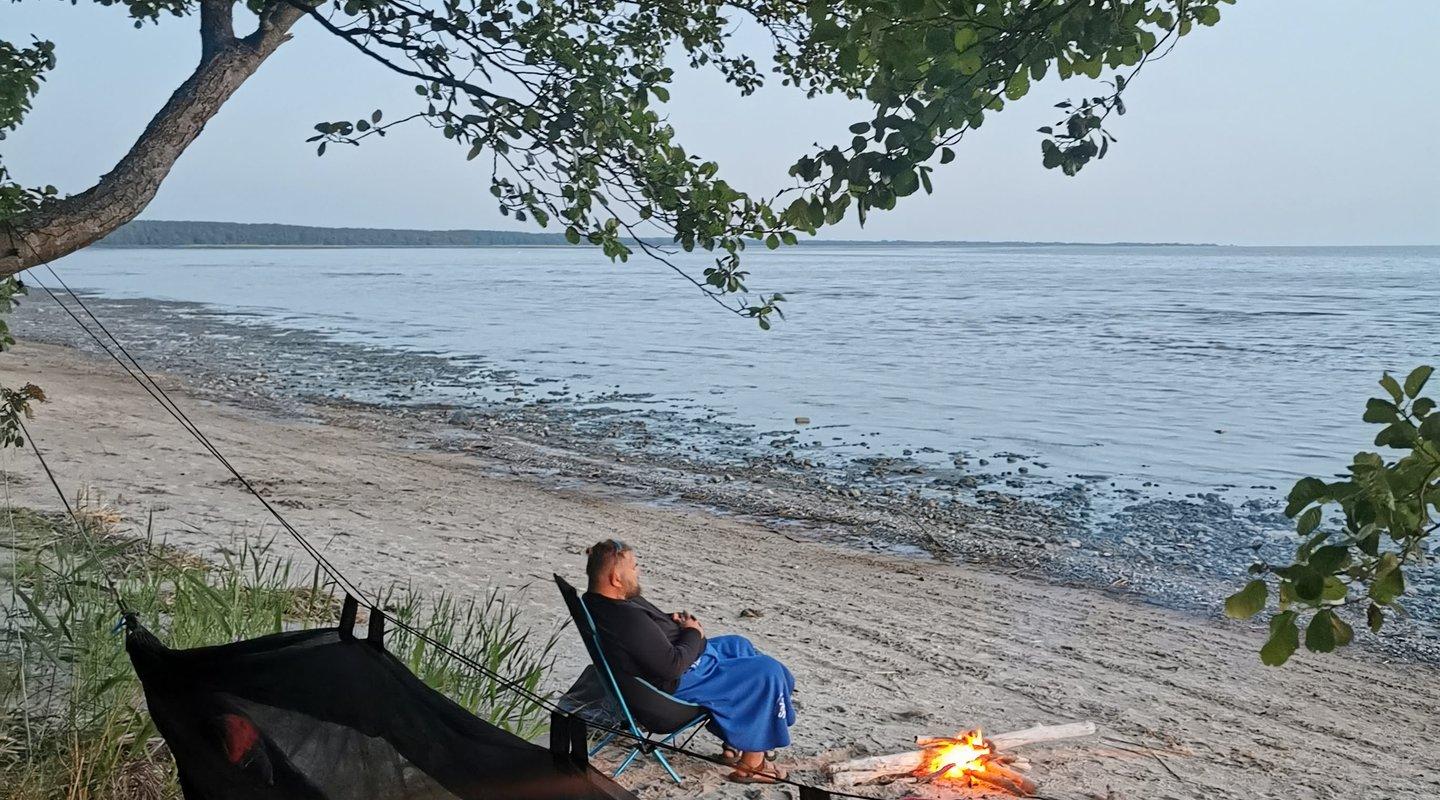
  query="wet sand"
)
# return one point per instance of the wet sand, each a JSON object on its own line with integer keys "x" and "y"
{"x": 884, "y": 646}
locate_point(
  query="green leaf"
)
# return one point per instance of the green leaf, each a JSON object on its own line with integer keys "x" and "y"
{"x": 1389, "y": 384}
{"x": 1305, "y": 492}
{"x": 1389, "y": 581}
{"x": 1415, "y": 382}
{"x": 946, "y": 155}
{"x": 1330, "y": 560}
{"x": 1335, "y": 590}
{"x": 860, "y": 128}
{"x": 1401, "y": 435}
{"x": 1375, "y": 618}
{"x": 1320, "y": 633}
{"x": 1308, "y": 521}
{"x": 1309, "y": 585}
{"x": 1018, "y": 86}
{"x": 1247, "y": 602}
{"x": 1344, "y": 633}
{"x": 1284, "y": 640}
{"x": 1430, "y": 428}
{"x": 1381, "y": 411}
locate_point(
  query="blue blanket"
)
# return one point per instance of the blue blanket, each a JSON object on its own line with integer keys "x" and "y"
{"x": 746, "y": 692}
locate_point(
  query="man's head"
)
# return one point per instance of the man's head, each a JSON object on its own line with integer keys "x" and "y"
{"x": 612, "y": 570}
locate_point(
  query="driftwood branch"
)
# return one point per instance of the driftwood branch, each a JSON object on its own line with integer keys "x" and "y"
{"x": 860, "y": 769}
{"x": 60, "y": 227}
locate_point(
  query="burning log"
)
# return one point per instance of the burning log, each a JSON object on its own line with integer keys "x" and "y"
{"x": 966, "y": 758}
{"x": 999, "y": 776}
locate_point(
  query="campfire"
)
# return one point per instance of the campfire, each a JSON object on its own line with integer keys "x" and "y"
{"x": 970, "y": 760}
{"x": 965, "y": 760}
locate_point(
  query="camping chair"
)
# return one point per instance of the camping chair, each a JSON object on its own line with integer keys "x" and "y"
{"x": 646, "y": 709}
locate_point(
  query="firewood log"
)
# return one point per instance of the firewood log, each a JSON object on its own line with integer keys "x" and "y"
{"x": 901, "y": 763}
{"x": 1041, "y": 733}
{"x": 1002, "y": 777}
{"x": 1005, "y": 741}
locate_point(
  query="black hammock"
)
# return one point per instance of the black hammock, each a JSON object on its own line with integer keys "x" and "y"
{"x": 322, "y": 714}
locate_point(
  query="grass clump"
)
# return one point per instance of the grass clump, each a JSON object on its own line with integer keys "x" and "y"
{"x": 72, "y": 718}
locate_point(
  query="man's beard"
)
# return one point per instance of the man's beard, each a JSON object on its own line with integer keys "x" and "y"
{"x": 633, "y": 590}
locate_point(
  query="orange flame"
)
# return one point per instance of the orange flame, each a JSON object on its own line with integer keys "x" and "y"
{"x": 963, "y": 755}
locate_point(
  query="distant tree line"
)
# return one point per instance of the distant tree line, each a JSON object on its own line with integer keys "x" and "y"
{"x": 164, "y": 233}
{"x": 158, "y": 233}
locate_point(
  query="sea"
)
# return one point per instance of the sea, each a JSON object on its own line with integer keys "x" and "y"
{"x": 1172, "y": 369}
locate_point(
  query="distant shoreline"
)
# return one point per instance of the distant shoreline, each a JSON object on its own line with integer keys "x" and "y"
{"x": 198, "y": 235}
{"x": 837, "y": 243}
{"x": 230, "y": 235}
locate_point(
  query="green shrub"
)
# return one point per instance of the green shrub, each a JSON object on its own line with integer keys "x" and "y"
{"x": 1388, "y": 510}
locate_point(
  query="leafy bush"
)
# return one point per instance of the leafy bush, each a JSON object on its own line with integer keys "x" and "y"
{"x": 1387, "y": 511}
{"x": 72, "y": 720}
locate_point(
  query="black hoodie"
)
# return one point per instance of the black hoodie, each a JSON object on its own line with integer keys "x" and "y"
{"x": 641, "y": 640}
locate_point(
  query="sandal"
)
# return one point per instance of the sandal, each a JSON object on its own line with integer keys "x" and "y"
{"x": 767, "y": 772}
{"x": 730, "y": 755}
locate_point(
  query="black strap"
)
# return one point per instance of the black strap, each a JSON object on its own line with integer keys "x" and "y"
{"x": 579, "y": 742}
{"x": 347, "y": 618}
{"x": 569, "y": 740}
{"x": 376, "y": 633}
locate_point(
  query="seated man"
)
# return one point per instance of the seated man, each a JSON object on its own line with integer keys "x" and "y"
{"x": 746, "y": 693}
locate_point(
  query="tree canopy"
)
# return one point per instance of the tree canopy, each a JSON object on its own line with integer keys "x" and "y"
{"x": 565, "y": 102}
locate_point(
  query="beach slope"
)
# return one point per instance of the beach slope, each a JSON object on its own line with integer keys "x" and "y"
{"x": 884, "y": 648}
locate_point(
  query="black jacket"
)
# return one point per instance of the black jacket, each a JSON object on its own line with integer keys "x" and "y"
{"x": 641, "y": 640}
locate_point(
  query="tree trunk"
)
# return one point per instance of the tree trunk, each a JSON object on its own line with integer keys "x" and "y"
{"x": 61, "y": 227}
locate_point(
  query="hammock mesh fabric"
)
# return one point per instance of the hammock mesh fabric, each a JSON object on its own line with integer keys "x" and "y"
{"x": 318, "y": 714}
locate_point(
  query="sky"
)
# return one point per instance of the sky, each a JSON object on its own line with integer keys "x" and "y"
{"x": 1292, "y": 122}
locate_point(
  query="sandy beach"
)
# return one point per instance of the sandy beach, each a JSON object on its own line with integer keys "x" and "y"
{"x": 884, "y": 647}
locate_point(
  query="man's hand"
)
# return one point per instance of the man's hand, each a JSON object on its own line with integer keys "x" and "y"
{"x": 688, "y": 620}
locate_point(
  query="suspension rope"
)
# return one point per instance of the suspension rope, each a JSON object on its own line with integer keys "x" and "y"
{"x": 158, "y": 393}
{"x": 74, "y": 517}
{"x": 152, "y": 387}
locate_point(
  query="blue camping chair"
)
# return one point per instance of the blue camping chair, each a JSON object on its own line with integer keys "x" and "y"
{"x": 646, "y": 709}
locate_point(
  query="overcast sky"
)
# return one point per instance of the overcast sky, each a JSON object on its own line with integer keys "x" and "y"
{"x": 1292, "y": 122}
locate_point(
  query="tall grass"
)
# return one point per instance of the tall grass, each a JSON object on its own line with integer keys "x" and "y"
{"x": 72, "y": 719}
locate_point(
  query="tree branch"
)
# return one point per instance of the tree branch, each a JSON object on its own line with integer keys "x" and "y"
{"x": 217, "y": 27}
{"x": 60, "y": 227}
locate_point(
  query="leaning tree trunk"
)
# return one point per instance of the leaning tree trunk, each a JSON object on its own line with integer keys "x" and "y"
{"x": 60, "y": 227}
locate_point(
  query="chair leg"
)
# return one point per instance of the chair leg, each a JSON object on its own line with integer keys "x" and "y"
{"x": 664, "y": 762}
{"x": 604, "y": 740}
{"x": 624, "y": 765}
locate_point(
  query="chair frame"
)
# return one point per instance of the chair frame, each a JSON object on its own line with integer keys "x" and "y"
{"x": 612, "y": 686}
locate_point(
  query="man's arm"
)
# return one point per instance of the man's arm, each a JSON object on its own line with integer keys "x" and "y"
{"x": 651, "y": 649}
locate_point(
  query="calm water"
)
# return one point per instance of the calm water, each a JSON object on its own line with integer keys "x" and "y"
{"x": 1188, "y": 367}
